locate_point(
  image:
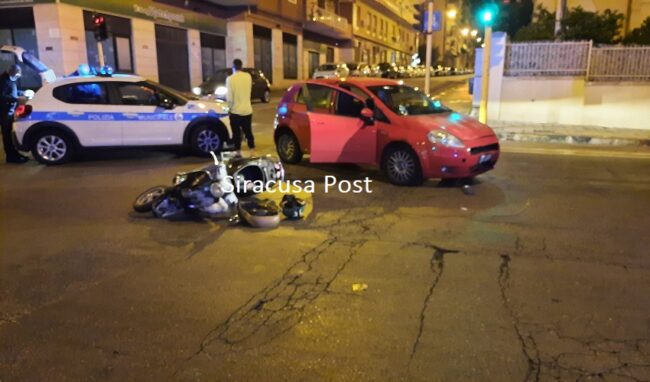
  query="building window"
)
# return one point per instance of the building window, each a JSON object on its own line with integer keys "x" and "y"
{"x": 17, "y": 28}
{"x": 290, "y": 55}
{"x": 213, "y": 54}
{"x": 330, "y": 54}
{"x": 358, "y": 16}
{"x": 117, "y": 47}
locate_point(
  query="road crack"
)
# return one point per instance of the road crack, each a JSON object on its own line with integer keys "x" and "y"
{"x": 437, "y": 267}
{"x": 280, "y": 306}
{"x": 528, "y": 344}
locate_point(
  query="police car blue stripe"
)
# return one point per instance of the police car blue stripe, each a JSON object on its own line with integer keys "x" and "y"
{"x": 117, "y": 116}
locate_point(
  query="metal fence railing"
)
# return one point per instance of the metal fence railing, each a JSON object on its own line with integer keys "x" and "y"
{"x": 547, "y": 59}
{"x": 620, "y": 63}
{"x": 578, "y": 59}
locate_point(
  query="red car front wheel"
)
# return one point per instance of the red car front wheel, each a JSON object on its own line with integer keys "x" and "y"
{"x": 402, "y": 167}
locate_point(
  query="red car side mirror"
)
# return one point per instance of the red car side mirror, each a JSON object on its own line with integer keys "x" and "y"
{"x": 367, "y": 116}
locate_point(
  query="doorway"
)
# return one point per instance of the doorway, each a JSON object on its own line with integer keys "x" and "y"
{"x": 173, "y": 59}
{"x": 314, "y": 59}
{"x": 262, "y": 50}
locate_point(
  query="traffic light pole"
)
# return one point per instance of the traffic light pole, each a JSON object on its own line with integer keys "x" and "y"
{"x": 485, "y": 75}
{"x": 429, "y": 30}
{"x": 100, "y": 53}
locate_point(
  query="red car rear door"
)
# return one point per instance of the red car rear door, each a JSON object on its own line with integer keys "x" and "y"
{"x": 342, "y": 136}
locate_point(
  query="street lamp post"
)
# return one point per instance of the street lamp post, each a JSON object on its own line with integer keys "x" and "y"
{"x": 482, "y": 113}
{"x": 487, "y": 17}
{"x": 429, "y": 31}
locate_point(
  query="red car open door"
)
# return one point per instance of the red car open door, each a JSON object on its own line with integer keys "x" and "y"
{"x": 342, "y": 136}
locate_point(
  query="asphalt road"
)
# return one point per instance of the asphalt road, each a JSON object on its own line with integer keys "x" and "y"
{"x": 540, "y": 273}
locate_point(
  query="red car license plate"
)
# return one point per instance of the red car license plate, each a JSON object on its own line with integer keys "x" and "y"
{"x": 485, "y": 158}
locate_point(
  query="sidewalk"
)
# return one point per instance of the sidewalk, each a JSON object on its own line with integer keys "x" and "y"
{"x": 581, "y": 135}
{"x": 457, "y": 97}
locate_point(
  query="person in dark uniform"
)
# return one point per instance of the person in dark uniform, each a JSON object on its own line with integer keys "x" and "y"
{"x": 8, "y": 101}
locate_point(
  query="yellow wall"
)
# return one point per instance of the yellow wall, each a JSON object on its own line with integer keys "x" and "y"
{"x": 640, "y": 8}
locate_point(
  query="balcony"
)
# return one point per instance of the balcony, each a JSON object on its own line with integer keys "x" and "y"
{"x": 327, "y": 23}
{"x": 405, "y": 12}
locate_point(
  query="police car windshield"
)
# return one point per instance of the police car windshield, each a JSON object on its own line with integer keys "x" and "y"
{"x": 184, "y": 97}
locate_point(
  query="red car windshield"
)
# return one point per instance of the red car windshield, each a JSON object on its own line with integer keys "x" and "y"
{"x": 405, "y": 100}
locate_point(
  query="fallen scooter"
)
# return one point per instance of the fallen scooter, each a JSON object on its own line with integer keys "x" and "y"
{"x": 211, "y": 191}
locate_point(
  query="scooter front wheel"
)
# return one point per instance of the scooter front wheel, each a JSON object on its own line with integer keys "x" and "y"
{"x": 145, "y": 200}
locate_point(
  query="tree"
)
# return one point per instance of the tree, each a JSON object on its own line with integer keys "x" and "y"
{"x": 514, "y": 15}
{"x": 602, "y": 28}
{"x": 540, "y": 29}
{"x": 578, "y": 24}
{"x": 640, "y": 35}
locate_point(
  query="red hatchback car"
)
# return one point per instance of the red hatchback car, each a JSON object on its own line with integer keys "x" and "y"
{"x": 381, "y": 122}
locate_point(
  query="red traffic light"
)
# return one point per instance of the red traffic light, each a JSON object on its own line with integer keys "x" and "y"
{"x": 99, "y": 27}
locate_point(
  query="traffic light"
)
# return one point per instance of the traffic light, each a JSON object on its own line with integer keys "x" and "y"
{"x": 419, "y": 15}
{"x": 99, "y": 27}
{"x": 487, "y": 15}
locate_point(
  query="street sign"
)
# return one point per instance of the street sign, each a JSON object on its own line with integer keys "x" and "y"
{"x": 437, "y": 22}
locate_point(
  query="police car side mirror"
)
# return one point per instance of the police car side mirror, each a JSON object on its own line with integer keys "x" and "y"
{"x": 166, "y": 103}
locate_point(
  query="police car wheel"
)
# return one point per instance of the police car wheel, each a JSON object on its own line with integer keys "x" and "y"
{"x": 205, "y": 139}
{"x": 52, "y": 147}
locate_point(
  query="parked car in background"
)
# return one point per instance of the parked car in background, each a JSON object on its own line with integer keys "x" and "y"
{"x": 215, "y": 86}
{"x": 442, "y": 70}
{"x": 359, "y": 69}
{"x": 332, "y": 70}
{"x": 388, "y": 70}
{"x": 409, "y": 135}
{"x": 410, "y": 71}
{"x": 375, "y": 71}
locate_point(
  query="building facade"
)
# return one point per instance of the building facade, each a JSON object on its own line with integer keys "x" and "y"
{"x": 179, "y": 43}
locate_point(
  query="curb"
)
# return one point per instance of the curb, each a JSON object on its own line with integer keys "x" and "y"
{"x": 570, "y": 139}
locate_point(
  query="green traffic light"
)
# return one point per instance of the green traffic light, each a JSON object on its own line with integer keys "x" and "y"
{"x": 488, "y": 14}
{"x": 487, "y": 17}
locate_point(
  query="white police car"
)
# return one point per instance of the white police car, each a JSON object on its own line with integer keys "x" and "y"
{"x": 116, "y": 111}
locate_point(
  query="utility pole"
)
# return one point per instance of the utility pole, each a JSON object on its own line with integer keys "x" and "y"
{"x": 485, "y": 74}
{"x": 628, "y": 14}
{"x": 559, "y": 15}
{"x": 100, "y": 54}
{"x": 429, "y": 32}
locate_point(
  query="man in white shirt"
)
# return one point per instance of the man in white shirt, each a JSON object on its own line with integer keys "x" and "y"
{"x": 239, "y": 86}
